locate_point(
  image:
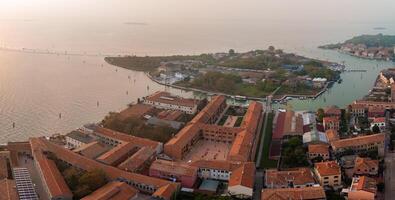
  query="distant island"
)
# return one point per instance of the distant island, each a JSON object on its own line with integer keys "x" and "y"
{"x": 253, "y": 74}
{"x": 380, "y": 47}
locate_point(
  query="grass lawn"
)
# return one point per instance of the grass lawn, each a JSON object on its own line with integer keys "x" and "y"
{"x": 266, "y": 162}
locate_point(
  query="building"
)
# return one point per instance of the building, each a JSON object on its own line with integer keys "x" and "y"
{"x": 241, "y": 182}
{"x": 307, "y": 193}
{"x": 379, "y": 122}
{"x": 91, "y": 150}
{"x": 174, "y": 171}
{"x": 361, "y": 144}
{"x": 114, "y": 191}
{"x": 139, "y": 161}
{"x": 331, "y": 123}
{"x": 293, "y": 178}
{"x": 318, "y": 150}
{"x": 332, "y": 135}
{"x": 328, "y": 174}
{"x": 164, "y": 100}
{"x": 75, "y": 139}
{"x": 332, "y": 111}
{"x": 362, "y": 188}
{"x": 314, "y": 137}
{"x": 374, "y": 112}
{"x": 145, "y": 184}
{"x": 217, "y": 170}
{"x": 366, "y": 166}
{"x": 8, "y": 190}
{"x": 357, "y": 110}
{"x": 319, "y": 82}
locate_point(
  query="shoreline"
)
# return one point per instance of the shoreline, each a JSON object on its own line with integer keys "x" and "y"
{"x": 362, "y": 57}
{"x": 262, "y": 99}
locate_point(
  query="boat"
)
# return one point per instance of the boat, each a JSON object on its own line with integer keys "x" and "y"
{"x": 340, "y": 80}
{"x": 237, "y": 97}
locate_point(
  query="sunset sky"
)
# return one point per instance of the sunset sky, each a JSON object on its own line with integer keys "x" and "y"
{"x": 153, "y": 11}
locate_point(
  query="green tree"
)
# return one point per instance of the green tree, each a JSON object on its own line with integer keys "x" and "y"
{"x": 376, "y": 129}
{"x": 94, "y": 179}
{"x": 232, "y": 52}
{"x": 320, "y": 114}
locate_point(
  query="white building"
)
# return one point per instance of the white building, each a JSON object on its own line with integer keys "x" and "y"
{"x": 76, "y": 139}
{"x": 164, "y": 100}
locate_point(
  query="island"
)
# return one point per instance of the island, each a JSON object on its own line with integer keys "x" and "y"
{"x": 379, "y": 47}
{"x": 254, "y": 74}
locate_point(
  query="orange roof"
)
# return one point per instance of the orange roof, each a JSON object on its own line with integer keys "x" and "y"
{"x": 8, "y": 190}
{"x": 318, "y": 148}
{"x": 176, "y": 168}
{"x": 328, "y": 168}
{"x": 252, "y": 117}
{"x": 243, "y": 175}
{"x": 113, "y": 191}
{"x": 241, "y": 147}
{"x": 355, "y": 106}
{"x": 364, "y": 183}
{"x": 50, "y": 173}
{"x": 358, "y": 141}
{"x": 293, "y": 123}
{"x": 115, "y": 155}
{"x": 138, "y": 159}
{"x": 138, "y": 141}
{"x": 3, "y": 168}
{"x": 210, "y": 109}
{"x": 184, "y": 135}
{"x": 365, "y": 164}
{"x": 136, "y": 111}
{"x": 306, "y": 193}
{"x": 332, "y": 135}
{"x": 332, "y": 111}
{"x": 91, "y": 150}
{"x": 165, "y": 192}
{"x": 89, "y": 164}
{"x": 299, "y": 176}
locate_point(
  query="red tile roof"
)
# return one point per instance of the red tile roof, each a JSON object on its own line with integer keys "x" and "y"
{"x": 8, "y": 190}
{"x": 137, "y": 160}
{"x": 318, "y": 148}
{"x": 136, "y": 111}
{"x": 113, "y": 191}
{"x": 138, "y": 141}
{"x": 244, "y": 175}
{"x": 167, "y": 98}
{"x": 51, "y": 176}
{"x": 176, "y": 168}
{"x": 299, "y": 176}
{"x": 358, "y": 141}
{"x": 115, "y": 155}
{"x": 329, "y": 168}
{"x": 307, "y": 193}
{"x": 210, "y": 109}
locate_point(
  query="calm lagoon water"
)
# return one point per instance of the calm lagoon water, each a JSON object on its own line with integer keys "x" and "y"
{"x": 36, "y": 88}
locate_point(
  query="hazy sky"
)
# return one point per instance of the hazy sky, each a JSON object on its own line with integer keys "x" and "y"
{"x": 156, "y": 11}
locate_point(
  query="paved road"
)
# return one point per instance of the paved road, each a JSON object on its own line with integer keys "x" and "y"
{"x": 389, "y": 173}
{"x": 259, "y": 174}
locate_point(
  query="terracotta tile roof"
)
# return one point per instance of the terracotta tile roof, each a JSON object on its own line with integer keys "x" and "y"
{"x": 293, "y": 123}
{"x": 328, "y": 168}
{"x": 332, "y": 111}
{"x": 115, "y": 155}
{"x": 165, "y": 192}
{"x": 167, "y": 98}
{"x": 51, "y": 176}
{"x": 113, "y": 191}
{"x": 365, "y": 164}
{"x": 278, "y": 132}
{"x": 379, "y": 120}
{"x": 332, "y": 135}
{"x": 138, "y": 141}
{"x": 89, "y": 164}
{"x": 137, "y": 160}
{"x": 91, "y": 150}
{"x": 376, "y": 109}
{"x": 307, "y": 193}
{"x": 358, "y": 141}
{"x": 244, "y": 175}
{"x": 355, "y": 106}
{"x": 318, "y": 148}
{"x": 364, "y": 183}
{"x": 136, "y": 111}
{"x": 184, "y": 135}
{"x": 3, "y": 168}
{"x": 210, "y": 109}
{"x": 176, "y": 168}
{"x": 241, "y": 147}
{"x": 252, "y": 117}
{"x": 8, "y": 190}
{"x": 299, "y": 176}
